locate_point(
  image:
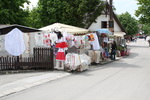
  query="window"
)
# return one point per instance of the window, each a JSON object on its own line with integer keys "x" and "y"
{"x": 111, "y": 24}
{"x": 104, "y": 24}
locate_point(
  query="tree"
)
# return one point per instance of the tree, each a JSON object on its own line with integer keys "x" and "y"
{"x": 129, "y": 23}
{"x": 76, "y": 12}
{"x": 146, "y": 29}
{"x": 12, "y": 12}
{"x": 33, "y": 19}
{"x": 143, "y": 11}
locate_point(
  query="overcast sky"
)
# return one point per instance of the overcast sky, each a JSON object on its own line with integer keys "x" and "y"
{"x": 121, "y": 6}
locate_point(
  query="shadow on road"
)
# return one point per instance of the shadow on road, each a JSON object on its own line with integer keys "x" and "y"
{"x": 117, "y": 64}
{"x": 137, "y": 46}
{"x": 124, "y": 65}
{"x": 133, "y": 55}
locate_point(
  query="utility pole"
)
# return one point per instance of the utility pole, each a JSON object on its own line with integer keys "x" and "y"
{"x": 111, "y": 21}
{"x": 110, "y": 9}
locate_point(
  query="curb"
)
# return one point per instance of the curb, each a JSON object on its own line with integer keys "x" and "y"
{"x": 21, "y": 71}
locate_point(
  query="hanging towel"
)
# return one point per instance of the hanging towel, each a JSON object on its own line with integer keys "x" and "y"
{"x": 14, "y": 42}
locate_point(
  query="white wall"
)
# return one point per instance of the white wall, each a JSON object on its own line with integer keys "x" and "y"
{"x": 26, "y": 40}
{"x": 116, "y": 27}
{"x": 94, "y": 26}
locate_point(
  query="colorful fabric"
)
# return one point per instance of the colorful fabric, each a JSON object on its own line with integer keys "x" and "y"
{"x": 95, "y": 44}
{"x": 61, "y": 45}
{"x": 91, "y": 37}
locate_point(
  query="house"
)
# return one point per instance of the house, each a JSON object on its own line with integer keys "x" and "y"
{"x": 109, "y": 20}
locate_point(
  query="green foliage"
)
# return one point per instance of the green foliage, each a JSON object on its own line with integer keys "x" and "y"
{"x": 146, "y": 29}
{"x": 143, "y": 11}
{"x": 129, "y": 23}
{"x": 12, "y": 12}
{"x": 72, "y": 12}
{"x": 33, "y": 19}
{"x": 120, "y": 47}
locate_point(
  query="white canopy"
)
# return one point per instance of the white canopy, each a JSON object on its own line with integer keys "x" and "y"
{"x": 119, "y": 34}
{"x": 64, "y": 27}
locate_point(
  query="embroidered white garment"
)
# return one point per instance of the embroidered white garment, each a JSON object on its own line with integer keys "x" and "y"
{"x": 53, "y": 38}
{"x": 95, "y": 56}
{"x": 38, "y": 39}
{"x": 72, "y": 61}
{"x": 85, "y": 62}
{"x": 14, "y": 42}
{"x": 1, "y": 43}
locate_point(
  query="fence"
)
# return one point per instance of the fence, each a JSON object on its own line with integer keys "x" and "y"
{"x": 42, "y": 59}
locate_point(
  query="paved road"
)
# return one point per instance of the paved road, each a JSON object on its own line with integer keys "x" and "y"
{"x": 126, "y": 79}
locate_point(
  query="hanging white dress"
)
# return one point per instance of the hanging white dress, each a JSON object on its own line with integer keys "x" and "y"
{"x": 95, "y": 43}
{"x": 14, "y": 42}
{"x": 38, "y": 39}
{"x": 53, "y": 38}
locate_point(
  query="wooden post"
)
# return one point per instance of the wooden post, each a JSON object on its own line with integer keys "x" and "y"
{"x": 111, "y": 10}
{"x": 111, "y": 20}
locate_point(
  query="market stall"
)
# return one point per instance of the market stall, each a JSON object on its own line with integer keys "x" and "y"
{"x": 122, "y": 49}
{"x": 69, "y": 46}
{"x": 105, "y": 43}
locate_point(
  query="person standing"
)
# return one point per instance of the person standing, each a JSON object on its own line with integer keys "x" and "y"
{"x": 113, "y": 50}
{"x": 145, "y": 37}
